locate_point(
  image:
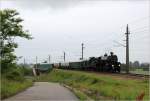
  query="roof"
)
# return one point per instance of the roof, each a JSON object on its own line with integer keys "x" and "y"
{"x": 44, "y": 66}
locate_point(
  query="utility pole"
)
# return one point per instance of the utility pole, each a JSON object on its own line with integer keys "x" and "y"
{"x": 36, "y": 61}
{"x": 64, "y": 56}
{"x": 127, "y": 49}
{"x": 49, "y": 59}
{"x": 82, "y": 50}
{"x": 24, "y": 62}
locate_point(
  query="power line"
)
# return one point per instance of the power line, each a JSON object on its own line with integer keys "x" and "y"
{"x": 143, "y": 37}
{"x": 138, "y": 20}
{"x": 141, "y": 31}
{"x": 141, "y": 28}
{"x": 120, "y": 44}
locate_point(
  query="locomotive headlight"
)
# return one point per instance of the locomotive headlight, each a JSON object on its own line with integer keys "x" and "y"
{"x": 119, "y": 65}
{"x": 112, "y": 65}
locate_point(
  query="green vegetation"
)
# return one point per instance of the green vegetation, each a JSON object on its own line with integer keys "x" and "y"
{"x": 14, "y": 81}
{"x": 12, "y": 75}
{"x": 11, "y": 87}
{"x": 99, "y": 87}
{"x": 10, "y": 29}
{"x": 78, "y": 93}
{"x": 140, "y": 71}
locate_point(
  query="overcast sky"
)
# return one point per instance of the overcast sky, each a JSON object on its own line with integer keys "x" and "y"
{"x": 62, "y": 25}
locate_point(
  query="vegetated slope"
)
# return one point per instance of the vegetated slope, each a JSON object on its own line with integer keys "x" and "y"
{"x": 99, "y": 87}
{"x": 11, "y": 87}
{"x": 14, "y": 81}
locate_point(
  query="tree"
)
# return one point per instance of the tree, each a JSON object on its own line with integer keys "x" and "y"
{"x": 10, "y": 28}
{"x": 136, "y": 64}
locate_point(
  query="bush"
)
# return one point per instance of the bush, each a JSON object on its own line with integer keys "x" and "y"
{"x": 27, "y": 71}
{"x": 15, "y": 75}
{"x": 5, "y": 68}
{"x": 146, "y": 68}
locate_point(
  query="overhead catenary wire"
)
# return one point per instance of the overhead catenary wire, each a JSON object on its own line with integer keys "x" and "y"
{"x": 140, "y": 31}
{"x": 142, "y": 37}
{"x": 139, "y": 20}
{"x": 119, "y": 43}
{"x": 119, "y": 36}
{"x": 139, "y": 28}
{"x": 145, "y": 27}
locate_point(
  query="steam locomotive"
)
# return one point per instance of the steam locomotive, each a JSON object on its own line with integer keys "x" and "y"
{"x": 103, "y": 64}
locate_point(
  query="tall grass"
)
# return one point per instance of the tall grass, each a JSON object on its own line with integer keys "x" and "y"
{"x": 11, "y": 87}
{"x": 99, "y": 87}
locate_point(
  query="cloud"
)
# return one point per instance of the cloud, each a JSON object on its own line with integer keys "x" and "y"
{"x": 40, "y": 4}
{"x": 53, "y": 4}
{"x": 61, "y": 25}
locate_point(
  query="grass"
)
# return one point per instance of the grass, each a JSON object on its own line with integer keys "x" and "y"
{"x": 140, "y": 71}
{"x": 98, "y": 87}
{"x": 78, "y": 93}
{"x": 11, "y": 87}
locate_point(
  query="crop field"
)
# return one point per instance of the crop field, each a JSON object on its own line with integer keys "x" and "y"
{"x": 99, "y": 87}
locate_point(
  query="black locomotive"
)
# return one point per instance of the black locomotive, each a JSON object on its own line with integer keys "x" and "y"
{"x": 103, "y": 64}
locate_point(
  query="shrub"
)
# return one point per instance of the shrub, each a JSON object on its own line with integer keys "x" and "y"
{"x": 15, "y": 75}
{"x": 27, "y": 71}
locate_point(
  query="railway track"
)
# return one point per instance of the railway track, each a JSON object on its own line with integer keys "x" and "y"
{"x": 129, "y": 75}
{"x": 137, "y": 75}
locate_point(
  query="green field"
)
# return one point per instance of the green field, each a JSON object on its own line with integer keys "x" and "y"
{"x": 99, "y": 87}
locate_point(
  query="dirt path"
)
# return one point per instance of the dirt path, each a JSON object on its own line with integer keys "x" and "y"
{"x": 44, "y": 91}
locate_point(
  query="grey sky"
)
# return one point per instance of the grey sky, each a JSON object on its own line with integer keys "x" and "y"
{"x": 62, "y": 25}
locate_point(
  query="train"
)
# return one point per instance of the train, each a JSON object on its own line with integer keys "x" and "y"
{"x": 101, "y": 64}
